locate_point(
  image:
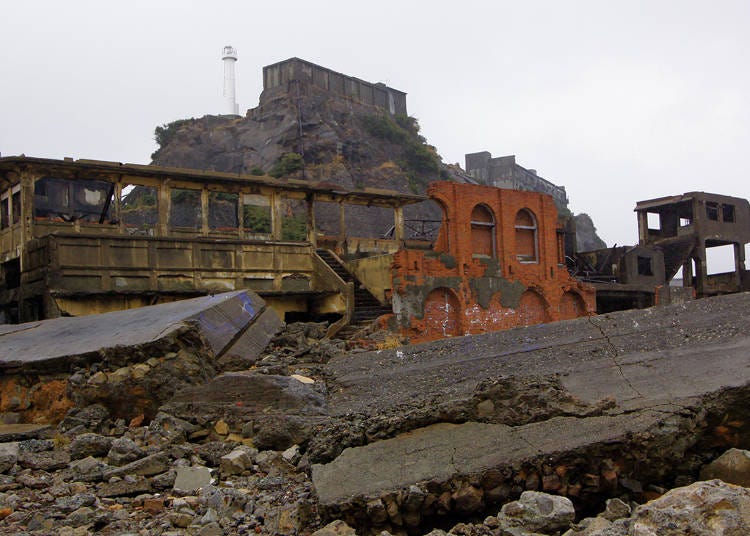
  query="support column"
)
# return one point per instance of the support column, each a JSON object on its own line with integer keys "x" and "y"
{"x": 642, "y": 227}
{"x": 312, "y": 232}
{"x": 276, "y": 223}
{"x": 398, "y": 224}
{"x": 342, "y": 227}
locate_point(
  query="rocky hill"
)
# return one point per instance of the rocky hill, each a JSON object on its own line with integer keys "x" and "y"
{"x": 318, "y": 137}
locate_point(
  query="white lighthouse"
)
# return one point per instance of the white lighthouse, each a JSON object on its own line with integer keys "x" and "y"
{"x": 230, "y": 58}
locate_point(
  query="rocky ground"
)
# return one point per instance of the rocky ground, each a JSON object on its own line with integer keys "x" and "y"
{"x": 234, "y": 455}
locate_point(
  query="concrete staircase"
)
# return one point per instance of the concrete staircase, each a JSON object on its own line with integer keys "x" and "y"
{"x": 366, "y": 306}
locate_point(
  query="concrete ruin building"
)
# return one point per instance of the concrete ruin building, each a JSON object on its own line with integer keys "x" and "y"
{"x": 295, "y": 76}
{"x": 504, "y": 172}
{"x": 675, "y": 234}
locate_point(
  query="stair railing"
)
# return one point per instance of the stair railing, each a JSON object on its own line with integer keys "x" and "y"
{"x": 323, "y": 270}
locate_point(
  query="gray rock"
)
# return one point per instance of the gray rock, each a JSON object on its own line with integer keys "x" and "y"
{"x": 91, "y": 418}
{"x": 237, "y": 461}
{"x": 36, "y": 445}
{"x": 148, "y": 466}
{"x": 90, "y": 445}
{"x": 190, "y": 479}
{"x": 335, "y": 528}
{"x": 45, "y": 461}
{"x": 590, "y": 526}
{"x": 80, "y": 517}
{"x": 733, "y": 467}
{"x": 538, "y": 512}
{"x": 213, "y": 451}
{"x": 292, "y": 454}
{"x": 88, "y": 469}
{"x": 124, "y": 488}
{"x": 616, "y": 509}
{"x": 164, "y": 480}
{"x": 8, "y": 456}
{"x": 74, "y": 502}
{"x": 124, "y": 451}
{"x": 700, "y": 509}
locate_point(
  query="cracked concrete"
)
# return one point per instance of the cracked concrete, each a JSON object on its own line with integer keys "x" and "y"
{"x": 647, "y": 386}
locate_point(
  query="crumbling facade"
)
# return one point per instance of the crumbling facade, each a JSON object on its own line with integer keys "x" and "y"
{"x": 504, "y": 172}
{"x": 498, "y": 263}
{"x": 295, "y": 76}
{"x": 685, "y": 226}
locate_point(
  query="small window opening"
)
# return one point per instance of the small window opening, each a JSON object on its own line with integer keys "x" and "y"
{"x": 482, "y": 231}
{"x": 654, "y": 221}
{"x": 685, "y": 222}
{"x": 15, "y": 207}
{"x": 712, "y": 211}
{"x": 526, "y": 237}
{"x": 222, "y": 211}
{"x": 256, "y": 216}
{"x": 728, "y": 213}
{"x": 185, "y": 208}
{"x": 5, "y": 208}
{"x": 139, "y": 210}
{"x": 645, "y": 266}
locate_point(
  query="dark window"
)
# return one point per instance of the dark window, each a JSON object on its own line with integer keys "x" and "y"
{"x": 73, "y": 199}
{"x": 256, "y": 215}
{"x": 728, "y": 213}
{"x": 185, "y": 208}
{"x": 222, "y": 211}
{"x": 5, "y": 216}
{"x": 712, "y": 211}
{"x": 645, "y": 266}
{"x": 15, "y": 207}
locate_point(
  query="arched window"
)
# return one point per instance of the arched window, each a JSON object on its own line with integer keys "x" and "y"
{"x": 482, "y": 231}
{"x": 527, "y": 247}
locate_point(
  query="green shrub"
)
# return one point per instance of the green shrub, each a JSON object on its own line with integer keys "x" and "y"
{"x": 286, "y": 164}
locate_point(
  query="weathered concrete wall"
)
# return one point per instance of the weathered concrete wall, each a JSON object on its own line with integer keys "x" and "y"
{"x": 585, "y": 408}
{"x": 487, "y": 275}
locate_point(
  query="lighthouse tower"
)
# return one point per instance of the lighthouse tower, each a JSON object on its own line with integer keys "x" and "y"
{"x": 230, "y": 58}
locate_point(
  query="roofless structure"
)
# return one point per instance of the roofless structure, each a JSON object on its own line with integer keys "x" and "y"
{"x": 85, "y": 236}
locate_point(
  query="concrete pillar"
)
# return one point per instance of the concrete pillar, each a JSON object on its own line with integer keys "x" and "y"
{"x": 342, "y": 225}
{"x": 642, "y": 227}
{"x": 312, "y": 232}
{"x": 204, "y": 212}
{"x": 276, "y": 202}
{"x": 398, "y": 224}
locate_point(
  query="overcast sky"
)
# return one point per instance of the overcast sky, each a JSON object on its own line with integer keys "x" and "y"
{"x": 618, "y": 101}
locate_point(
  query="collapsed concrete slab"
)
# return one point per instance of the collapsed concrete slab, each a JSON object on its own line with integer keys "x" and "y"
{"x": 583, "y": 408}
{"x": 131, "y": 360}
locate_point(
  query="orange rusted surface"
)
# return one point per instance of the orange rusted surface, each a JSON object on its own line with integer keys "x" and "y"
{"x": 498, "y": 263}
{"x": 39, "y": 401}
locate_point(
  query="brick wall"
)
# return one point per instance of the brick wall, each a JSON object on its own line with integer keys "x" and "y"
{"x": 498, "y": 263}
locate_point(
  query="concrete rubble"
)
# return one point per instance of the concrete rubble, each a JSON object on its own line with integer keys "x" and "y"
{"x": 580, "y": 427}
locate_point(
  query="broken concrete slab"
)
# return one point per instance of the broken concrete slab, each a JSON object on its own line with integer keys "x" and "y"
{"x": 128, "y": 361}
{"x": 546, "y": 407}
{"x": 55, "y": 343}
{"x": 21, "y": 432}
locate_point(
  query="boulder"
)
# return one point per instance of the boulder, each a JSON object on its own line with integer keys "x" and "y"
{"x": 8, "y": 456}
{"x": 189, "y": 479}
{"x": 538, "y": 512}
{"x": 733, "y": 467}
{"x": 701, "y": 509}
{"x": 335, "y": 528}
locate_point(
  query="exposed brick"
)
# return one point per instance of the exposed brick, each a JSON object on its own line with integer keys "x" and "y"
{"x": 498, "y": 263}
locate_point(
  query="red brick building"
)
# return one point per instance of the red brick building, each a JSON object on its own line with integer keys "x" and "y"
{"x": 498, "y": 263}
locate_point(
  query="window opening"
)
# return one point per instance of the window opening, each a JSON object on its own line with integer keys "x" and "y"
{"x": 15, "y": 205}
{"x": 482, "y": 231}
{"x": 654, "y": 221}
{"x": 684, "y": 222}
{"x": 712, "y": 211}
{"x": 526, "y": 237}
{"x": 185, "y": 208}
{"x": 139, "y": 209}
{"x": 256, "y": 216}
{"x": 645, "y": 266}
{"x": 720, "y": 259}
{"x": 71, "y": 200}
{"x": 222, "y": 211}
{"x": 728, "y": 213}
{"x": 294, "y": 220}
{"x": 5, "y": 208}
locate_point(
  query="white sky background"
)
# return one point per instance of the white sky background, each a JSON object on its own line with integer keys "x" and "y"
{"x": 618, "y": 100}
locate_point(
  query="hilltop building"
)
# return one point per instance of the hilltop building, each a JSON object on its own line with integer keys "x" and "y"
{"x": 504, "y": 172}
{"x": 295, "y": 76}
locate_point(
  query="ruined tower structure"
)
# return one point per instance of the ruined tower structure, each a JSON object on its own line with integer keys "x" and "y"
{"x": 504, "y": 172}
{"x": 498, "y": 263}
